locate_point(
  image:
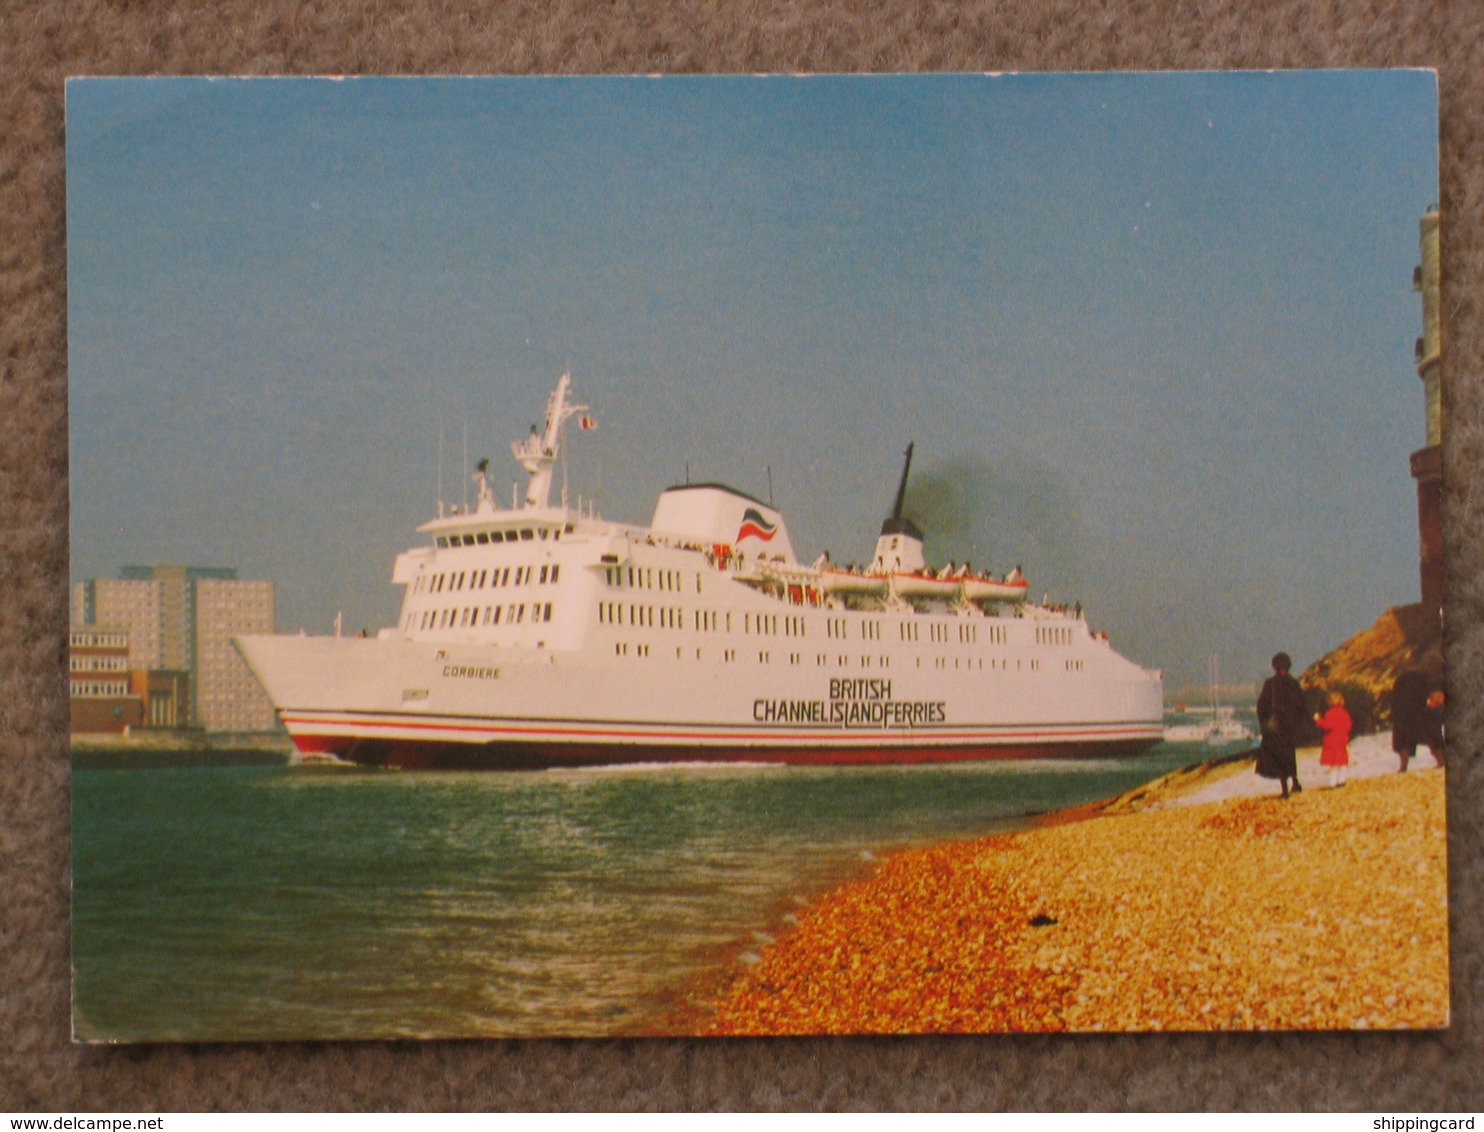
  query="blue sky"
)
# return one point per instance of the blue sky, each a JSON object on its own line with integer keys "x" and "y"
{"x": 1151, "y": 334}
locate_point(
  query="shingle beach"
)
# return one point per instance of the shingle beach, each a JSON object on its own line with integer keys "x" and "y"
{"x": 1201, "y": 902}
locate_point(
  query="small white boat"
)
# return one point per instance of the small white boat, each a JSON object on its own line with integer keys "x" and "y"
{"x": 985, "y": 589}
{"x": 1227, "y": 728}
{"x": 1223, "y": 728}
{"x": 851, "y": 582}
{"x": 924, "y": 586}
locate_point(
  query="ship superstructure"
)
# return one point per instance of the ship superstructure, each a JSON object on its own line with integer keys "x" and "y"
{"x": 541, "y": 635}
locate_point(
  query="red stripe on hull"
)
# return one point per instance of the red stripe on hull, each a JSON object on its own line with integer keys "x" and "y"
{"x": 412, "y": 754}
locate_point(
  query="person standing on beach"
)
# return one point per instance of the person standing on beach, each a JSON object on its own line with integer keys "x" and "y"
{"x": 1280, "y": 714}
{"x": 1408, "y": 714}
{"x": 1432, "y": 725}
{"x": 1335, "y": 752}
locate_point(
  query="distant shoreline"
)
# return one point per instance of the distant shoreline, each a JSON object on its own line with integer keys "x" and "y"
{"x": 154, "y": 750}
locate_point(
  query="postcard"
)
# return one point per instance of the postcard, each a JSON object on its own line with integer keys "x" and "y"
{"x": 755, "y": 555}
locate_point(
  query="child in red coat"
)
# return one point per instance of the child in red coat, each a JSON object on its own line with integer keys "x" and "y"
{"x": 1336, "y": 725}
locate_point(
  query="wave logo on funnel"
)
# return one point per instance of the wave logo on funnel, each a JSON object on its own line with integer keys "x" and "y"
{"x": 755, "y": 526}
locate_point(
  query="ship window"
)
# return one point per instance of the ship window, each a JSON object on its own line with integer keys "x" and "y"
{"x": 526, "y": 534}
{"x": 482, "y": 538}
{"x": 543, "y": 575}
{"x": 443, "y": 540}
{"x": 764, "y": 658}
{"x": 554, "y": 571}
{"x": 544, "y": 532}
{"x": 547, "y": 615}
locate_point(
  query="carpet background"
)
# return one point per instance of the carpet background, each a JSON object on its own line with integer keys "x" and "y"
{"x": 41, "y": 43}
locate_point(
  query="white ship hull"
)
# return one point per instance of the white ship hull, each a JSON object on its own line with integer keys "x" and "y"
{"x": 540, "y": 636}
{"x": 413, "y": 704}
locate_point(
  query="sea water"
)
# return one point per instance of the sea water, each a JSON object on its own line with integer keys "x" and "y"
{"x": 279, "y": 902}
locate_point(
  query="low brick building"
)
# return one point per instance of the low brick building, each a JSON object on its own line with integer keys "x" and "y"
{"x": 99, "y": 684}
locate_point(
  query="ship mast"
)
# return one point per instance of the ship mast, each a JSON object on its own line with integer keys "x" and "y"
{"x": 896, "y": 510}
{"x": 538, "y": 452}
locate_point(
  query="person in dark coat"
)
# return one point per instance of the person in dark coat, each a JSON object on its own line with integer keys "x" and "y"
{"x": 1409, "y": 718}
{"x": 1432, "y": 725}
{"x": 1281, "y": 714}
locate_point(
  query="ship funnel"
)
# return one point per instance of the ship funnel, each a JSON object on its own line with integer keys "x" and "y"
{"x": 895, "y": 524}
{"x": 900, "y": 545}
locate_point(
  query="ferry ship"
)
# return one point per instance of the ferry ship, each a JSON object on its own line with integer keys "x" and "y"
{"x": 541, "y": 635}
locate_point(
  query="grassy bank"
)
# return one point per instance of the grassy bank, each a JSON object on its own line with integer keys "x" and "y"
{"x": 1325, "y": 911}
